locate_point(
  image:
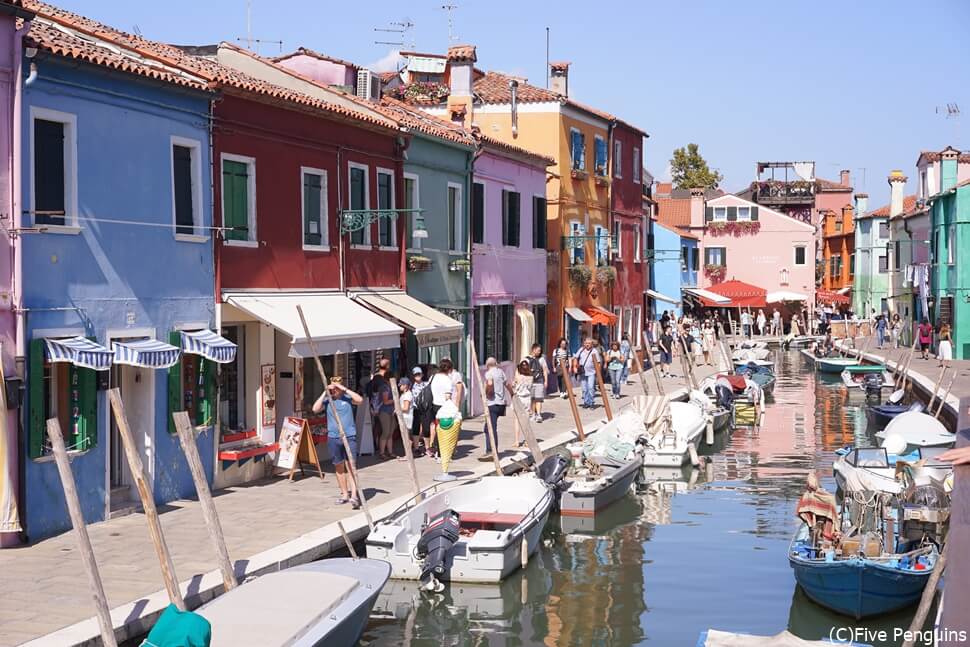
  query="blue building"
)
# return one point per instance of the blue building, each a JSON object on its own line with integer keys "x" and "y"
{"x": 116, "y": 265}
{"x": 676, "y": 260}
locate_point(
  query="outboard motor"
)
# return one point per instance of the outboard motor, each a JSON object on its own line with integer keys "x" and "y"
{"x": 725, "y": 395}
{"x": 437, "y": 537}
{"x": 553, "y": 469}
{"x": 872, "y": 385}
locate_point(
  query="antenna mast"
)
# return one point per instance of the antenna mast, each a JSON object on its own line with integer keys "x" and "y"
{"x": 403, "y": 28}
{"x": 249, "y": 40}
{"x": 451, "y": 21}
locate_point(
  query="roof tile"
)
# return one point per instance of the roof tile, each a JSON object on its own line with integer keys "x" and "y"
{"x": 908, "y": 203}
{"x": 673, "y": 212}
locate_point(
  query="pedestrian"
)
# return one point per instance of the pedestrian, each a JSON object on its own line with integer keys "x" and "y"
{"x": 762, "y": 320}
{"x": 697, "y": 344}
{"x": 447, "y": 384}
{"x": 895, "y": 329}
{"x": 407, "y": 410}
{"x": 562, "y": 377}
{"x": 880, "y": 330}
{"x": 945, "y": 347}
{"x": 707, "y": 342}
{"x": 925, "y": 338}
{"x": 421, "y": 405}
{"x": 626, "y": 348}
{"x": 795, "y": 328}
{"x": 776, "y": 323}
{"x": 342, "y": 402}
{"x": 584, "y": 366}
{"x": 615, "y": 365}
{"x": 540, "y": 377}
{"x": 665, "y": 344}
{"x": 382, "y": 408}
{"x": 523, "y": 391}
{"x": 746, "y": 324}
{"x": 495, "y": 401}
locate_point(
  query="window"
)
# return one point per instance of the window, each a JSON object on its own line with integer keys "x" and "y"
{"x": 412, "y": 200}
{"x": 232, "y": 382}
{"x": 684, "y": 258}
{"x": 696, "y": 255}
{"x": 896, "y": 260}
{"x": 386, "y": 225}
{"x": 359, "y": 200}
{"x": 186, "y": 186}
{"x": 923, "y": 189}
{"x": 454, "y": 218}
{"x": 883, "y": 264}
{"x": 884, "y": 230}
{"x": 800, "y": 252}
{"x": 511, "y": 220}
{"x": 316, "y": 227}
{"x": 838, "y": 224}
{"x": 539, "y": 222}
{"x": 602, "y": 245}
{"x": 616, "y": 240}
{"x": 601, "y": 156}
{"x": 577, "y": 147}
{"x": 577, "y": 247}
{"x": 191, "y": 387}
{"x": 541, "y": 333}
{"x": 744, "y": 213}
{"x": 63, "y": 391}
{"x": 627, "y": 326}
{"x": 715, "y": 256}
{"x": 636, "y": 165}
{"x": 720, "y": 214}
{"x": 239, "y": 199}
{"x": 53, "y": 180}
{"x": 497, "y": 332}
{"x": 478, "y": 212}
{"x": 617, "y": 158}
{"x": 637, "y": 243}
{"x": 851, "y": 265}
{"x": 951, "y": 240}
{"x": 636, "y": 332}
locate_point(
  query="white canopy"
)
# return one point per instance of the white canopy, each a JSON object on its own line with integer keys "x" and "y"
{"x": 784, "y": 295}
{"x": 431, "y": 327}
{"x": 707, "y": 294}
{"x": 845, "y": 290}
{"x": 578, "y": 315}
{"x": 337, "y": 324}
{"x": 662, "y": 297}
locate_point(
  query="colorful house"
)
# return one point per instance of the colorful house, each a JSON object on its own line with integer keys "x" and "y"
{"x": 870, "y": 285}
{"x": 675, "y": 264}
{"x": 838, "y": 247}
{"x": 115, "y": 261}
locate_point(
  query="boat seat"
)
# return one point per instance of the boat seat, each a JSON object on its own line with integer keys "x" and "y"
{"x": 490, "y": 520}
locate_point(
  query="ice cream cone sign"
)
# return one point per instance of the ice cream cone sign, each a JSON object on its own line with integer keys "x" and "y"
{"x": 449, "y": 425}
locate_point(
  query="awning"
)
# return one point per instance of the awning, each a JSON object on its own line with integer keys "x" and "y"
{"x": 431, "y": 327}
{"x": 337, "y": 324}
{"x": 784, "y": 295}
{"x": 80, "y": 352}
{"x": 527, "y": 336}
{"x": 662, "y": 297}
{"x": 146, "y": 353}
{"x": 600, "y": 316}
{"x": 845, "y": 290}
{"x": 740, "y": 295}
{"x": 578, "y": 315}
{"x": 829, "y": 297}
{"x": 713, "y": 297}
{"x": 209, "y": 345}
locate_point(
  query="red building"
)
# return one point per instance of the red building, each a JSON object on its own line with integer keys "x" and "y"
{"x": 629, "y": 229}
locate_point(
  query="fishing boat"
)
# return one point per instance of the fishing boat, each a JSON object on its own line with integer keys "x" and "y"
{"x": 867, "y": 377}
{"x": 876, "y": 469}
{"x": 476, "y": 531}
{"x": 918, "y": 430}
{"x": 834, "y": 364}
{"x": 321, "y": 603}
{"x": 763, "y": 376}
{"x": 672, "y": 431}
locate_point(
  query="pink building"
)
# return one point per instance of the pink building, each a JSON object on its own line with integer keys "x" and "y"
{"x": 322, "y": 69}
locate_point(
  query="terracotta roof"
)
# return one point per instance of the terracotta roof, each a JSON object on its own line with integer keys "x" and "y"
{"x": 387, "y": 76}
{"x": 559, "y": 65}
{"x": 423, "y": 122}
{"x": 306, "y": 51}
{"x": 829, "y": 185}
{"x": 683, "y": 233}
{"x": 516, "y": 150}
{"x": 664, "y": 188}
{"x": 493, "y": 87}
{"x": 673, "y": 212}
{"x": 462, "y": 53}
{"x": 934, "y": 156}
{"x": 908, "y": 203}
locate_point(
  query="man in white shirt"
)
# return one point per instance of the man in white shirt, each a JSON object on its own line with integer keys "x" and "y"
{"x": 447, "y": 384}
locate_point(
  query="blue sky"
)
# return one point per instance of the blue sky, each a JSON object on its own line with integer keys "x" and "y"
{"x": 847, "y": 84}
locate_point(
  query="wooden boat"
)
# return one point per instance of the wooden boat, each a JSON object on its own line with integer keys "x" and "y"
{"x": 867, "y": 377}
{"x": 834, "y": 364}
{"x": 608, "y": 464}
{"x": 321, "y": 603}
{"x": 874, "y": 469}
{"x": 671, "y": 441}
{"x": 715, "y": 638}
{"x": 918, "y": 430}
{"x": 476, "y": 531}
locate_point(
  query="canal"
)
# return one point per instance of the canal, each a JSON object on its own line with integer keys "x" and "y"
{"x": 693, "y": 549}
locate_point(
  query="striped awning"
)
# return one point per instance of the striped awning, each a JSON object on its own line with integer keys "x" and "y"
{"x": 147, "y": 353}
{"x": 209, "y": 345}
{"x": 80, "y": 352}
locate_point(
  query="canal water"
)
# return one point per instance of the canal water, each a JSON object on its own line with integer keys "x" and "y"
{"x": 692, "y": 550}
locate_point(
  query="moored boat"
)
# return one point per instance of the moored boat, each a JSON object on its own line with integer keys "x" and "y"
{"x": 875, "y": 469}
{"x": 918, "y": 430}
{"x": 763, "y": 376}
{"x": 867, "y": 377}
{"x": 883, "y": 413}
{"x": 672, "y": 430}
{"x": 715, "y": 638}
{"x": 834, "y": 364}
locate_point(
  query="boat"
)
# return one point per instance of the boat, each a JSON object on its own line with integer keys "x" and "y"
{"x": 748, "y": 354}
{"x": 834, "y": 364}
{"x": 918, "y": 430}
{"x": 760, "y": 375}
{"x": 718, "y": 416}
{"x": 321, "y": 603}
{"x": 758, "y": 362}
{"x": 477, "y": 531}
{"x": 672, "y": 430}
{"x": 715, "y": 638}
{"x": 868, "y": 377}
{"x": 875, "y": 469}
{"x": 882, "y": 414}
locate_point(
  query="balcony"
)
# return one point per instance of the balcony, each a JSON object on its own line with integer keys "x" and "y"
{"x": 778, "y": 192}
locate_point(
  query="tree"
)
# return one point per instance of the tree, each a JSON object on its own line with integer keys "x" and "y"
{"x": 689, "y": 170}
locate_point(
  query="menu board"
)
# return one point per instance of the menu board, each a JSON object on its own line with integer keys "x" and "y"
{"x": 290, "y": 437}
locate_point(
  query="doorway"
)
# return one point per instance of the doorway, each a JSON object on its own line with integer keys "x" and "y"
{"x": 137, "y": 388}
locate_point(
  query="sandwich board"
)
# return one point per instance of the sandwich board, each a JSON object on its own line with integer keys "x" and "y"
{"x": 296, "y": 447}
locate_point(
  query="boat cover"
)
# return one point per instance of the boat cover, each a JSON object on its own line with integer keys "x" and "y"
{"x": 616, "y": 441}
{"x": 717, "y": 638}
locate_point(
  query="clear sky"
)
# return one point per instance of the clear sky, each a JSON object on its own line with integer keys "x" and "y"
{"x": 852, "y": 84}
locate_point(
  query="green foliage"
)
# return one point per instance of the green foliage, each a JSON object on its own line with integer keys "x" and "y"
{"x": 689, "y": 170}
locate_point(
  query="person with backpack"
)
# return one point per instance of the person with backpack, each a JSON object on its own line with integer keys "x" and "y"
{"x": 495, "y": 399}
{"x": 540, "y": 376}
{"x": 421, "y": 401}
{"x": 382, "y": 408}
{"x": 584, "y": 366}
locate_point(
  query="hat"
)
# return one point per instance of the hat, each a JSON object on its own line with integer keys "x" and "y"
{"x": 417, "y": 371}
{"x": 405, "y": 382}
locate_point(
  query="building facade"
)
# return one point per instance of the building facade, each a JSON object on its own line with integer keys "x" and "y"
{"x": 675, "y": 265}
{"x": 870, "y": 285}
{"x": 838, "y": 249}
{"x": 949, "y": 241}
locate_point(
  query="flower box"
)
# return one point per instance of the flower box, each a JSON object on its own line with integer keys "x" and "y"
{"x": 419, "y": 263}
{"x": 605, "y": 276}
{"x": 715, "y": 273}
{"x": 580, "y": 276}
{"x": 578, "y": 174}
{"x": 460, "y": 265}
{"x": 602, "y": 180}
{"x": 734, "y": 228}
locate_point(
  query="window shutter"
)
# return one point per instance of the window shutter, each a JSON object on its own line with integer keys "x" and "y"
{"x": 204, "y": 412}
{"x": 724, "y": 257}
{"x": 732, "y": 213}
{"x": 174, "y": 382}
{"x": 697, "y": 259}
{"x": 515, "y": 221}
{"x": 87, "y": 386}
{"x": 478, "y": 212}
{"x": 707, "y": 256}
{"x": 754, "y": 213}
{"x": 708, "y": 214}
{"x": 505, "y": 217}
{"x": 538, "y": 223}
{"x": 35, "y": 385}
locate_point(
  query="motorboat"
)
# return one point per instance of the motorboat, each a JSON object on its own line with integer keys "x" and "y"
{"x": 868, "y": 377}
{"x": 918, "y": 429}
{"x": 718, "y": 415}
{"x": 881, "y": 414}
{"x": 322, "y": 603}
{"x": 748, "y": 354}
{"x": 672, "y": 431}
{"x": 715, "y": 638}
{"x": 834, "y": 364}
{"x": 766, "y": 363}
{"x": 763, "y": 376}
{"x": 477, "y": 531}
{"x": 875, "y": 469}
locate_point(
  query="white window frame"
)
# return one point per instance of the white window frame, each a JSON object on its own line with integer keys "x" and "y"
{"x": 324, "y": 245}
{"x": 747, "y": 214}
{"x": 250, "y": 162}
{"x": 637, "y": 327}
{"x": 196, "y": 147}
{"x": 459, "y": 203}
{"x": 618, "y": 159}
{"x": 389, "y": 172}
{"x": 637, "y": 163}
{"x": 618, "y": 311}
{"x": 413, "y": 244}
{"x": 795, "y": 255}
{"x": 572, "y": 152}
{"x": 606, "y": 162}
{"x": 723, "y": 214}
{"x": 69, "y": 120}
{"x": 637, "y": 243}
{"x": 576, "y": 228}
{"x": 709, "y": 255}
{"x": 617, "y": 246}
{"x": 366, "y": 169}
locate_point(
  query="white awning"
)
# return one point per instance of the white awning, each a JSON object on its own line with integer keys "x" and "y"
{"x": 527, "y": 321}
{"x": 578, "y": 315}
{"x": 209, "y": 345}
{"x": 426, "y": 64}
{"x": 431, "y": 327}
{"x": 336, "y": 323}
{"x": 845, "y": 290}
{"x": 145, "y": 353}
{"x": 659, "y": 296}
{"x": 784, "y": 295}
{"x": 79, "y": 351}
{"x": 707, "y": 294}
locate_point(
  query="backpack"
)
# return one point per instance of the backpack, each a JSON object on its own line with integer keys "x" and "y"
{"x": 423, "y": 400}
{"x": 536, "y": 366}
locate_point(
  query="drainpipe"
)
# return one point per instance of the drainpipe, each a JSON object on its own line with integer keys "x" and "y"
{"x": 341, "y": 259}
{"x": 403, "y": 144}
{"x": 609, "y": 215}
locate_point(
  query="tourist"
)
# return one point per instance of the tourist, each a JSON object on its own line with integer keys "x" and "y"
{"x": 522, "y": 387}
{"x": 665, "y": 344}
{"x": 762, "y": 320}
{"x": 697, "y": 345}
{"x": 340, "y": 416}
{"x": 540, "y": 377}
{"x": 558, "y": 356}
{"x": 707, "y": 342}
{"x": 795, "y": 328}
{"x": 626, "y": 348}
{"x": 746, "y": 324}
{"x": 495, "y": 401}
{"x": 776, "y": 328}
{"x": 446, "y": 385}
{"x": 944, "y": 351}
{"x": 584, "y": 367}
{"x": 880, "y": 330}
{"x": 925, "y": 338}
{"x": 407, "y": 409}
{"x": 615, "y": 364}
{"x": 895, "y": 329}
{"x": 421, "y": 424}
{"x": 382, "y": 408}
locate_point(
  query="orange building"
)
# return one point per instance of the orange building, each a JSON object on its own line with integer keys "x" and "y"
{"x": 838, "y": 248}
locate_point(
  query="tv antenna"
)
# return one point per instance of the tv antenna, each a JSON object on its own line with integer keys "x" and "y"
{"x": 450, "y": 8}
{"x": 405, "y": 36}
{"x": 249, "y": 40}
{"x": 952, "y": 111}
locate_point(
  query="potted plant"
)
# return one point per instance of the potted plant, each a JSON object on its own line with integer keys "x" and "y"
{"x": 605, "y": 275}
{"x": 460, "y": 265}
{"x": 715, "y": 273}
{"x": 580, "y": 276}
{"x": 418, "y": 263}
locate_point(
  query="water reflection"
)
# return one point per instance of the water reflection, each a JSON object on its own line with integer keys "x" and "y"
{"x": 691, "y": 550}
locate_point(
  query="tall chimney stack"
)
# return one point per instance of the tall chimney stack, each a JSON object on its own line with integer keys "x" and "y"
{"x": 461, "y": 60}
{"x": 697, "y": 208}
{"x": 861, "y": 204}
{"x": 844, "y": 177}
{"x": 949, "y": 158}
{"x": 897, "y": 186}
{"x": 559, "y": 77}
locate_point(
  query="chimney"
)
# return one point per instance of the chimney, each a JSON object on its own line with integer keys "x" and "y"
{"x": 948, "y": 168}
{"x": 897, "y": 186}
{"x": 844, "y": 177}
{"x": 461, "y": 61}
{"x": 559, "y": 77}
{"x": 861, "y": 204}
{"x": 697, "y": 208}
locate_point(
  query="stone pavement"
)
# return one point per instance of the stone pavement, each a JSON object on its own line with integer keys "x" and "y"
{"x": 268, "y": 524}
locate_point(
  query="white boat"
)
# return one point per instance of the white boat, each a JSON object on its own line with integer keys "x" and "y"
{"x": 717, "y": 416}
{"x": 875, "y": 469}
{"x": 757, "y": 362}
{"x": 749, "y": 354}
{"x": 918, "y": 430}
{"x": 476, "y": 531}
{"x": 671, "y": 432}
{"x": 608, "y": 464}
{"x": 321, "y": 603}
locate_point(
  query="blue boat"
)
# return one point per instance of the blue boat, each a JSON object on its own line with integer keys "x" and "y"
{"x": 858, "y": 586}
{"x": 761, "y": 375}
{"x": 883, "y": 413}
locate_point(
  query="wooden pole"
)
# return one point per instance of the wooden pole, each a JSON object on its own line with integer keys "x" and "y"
{"x": 643, "y": 378}
{"x": 489, "y": 429}
{"x": 691, "y": 378}
{"x": 602, "y": 387}
{"x": 147, "y": 499}
{"x": 350, "y": 545}
{"x": 905, "y": 369}
{"x": 81, "y": 533}
{"x": 946, "y": 394}
{"x": 571, "y": 396}
{"x": 351, "y": 460}
{"x": 909, "y": 364}
{"x": 929, "y": 592}
{"x": 187, "y": 437}
{"x": 653, "y": 364}
{"x": 406, "y": 437}
{"x": 522, "y": 416}
{"x": 936, "y": 386}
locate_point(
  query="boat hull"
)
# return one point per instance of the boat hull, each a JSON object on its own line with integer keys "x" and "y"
{"x": 834, "y": 365}
{"x": 346, "y": 624}
{"x": 574, "y": 503}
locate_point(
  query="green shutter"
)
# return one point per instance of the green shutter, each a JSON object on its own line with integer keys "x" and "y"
{"x": 754, "y": 213}
{"x": 708, "y": 214}
{"x": 87, "y": 423}
{"x": 174, "y": 382}
{"x": 515, "y": 221}
{"x": 207, "y": 389}
{"x": 732, "y": 213}
{"x": 35, "y": 385}
{"x": 235, "y": 198}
